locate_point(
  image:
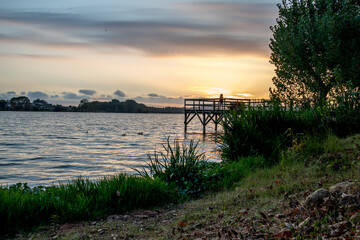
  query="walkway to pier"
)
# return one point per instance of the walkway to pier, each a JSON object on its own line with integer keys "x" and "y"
{"x": 213, "y": 109}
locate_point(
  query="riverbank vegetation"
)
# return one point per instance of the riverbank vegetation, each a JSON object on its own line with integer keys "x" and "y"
{"x": 180, "y": 175}
{"x": 268, "y": 203}
{"x": 254, "y": 140}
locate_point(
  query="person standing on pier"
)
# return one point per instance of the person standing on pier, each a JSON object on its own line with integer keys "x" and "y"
{"x": 221, "y": 104}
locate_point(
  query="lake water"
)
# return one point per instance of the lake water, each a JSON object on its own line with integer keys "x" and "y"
{"x": 41, "y": 148}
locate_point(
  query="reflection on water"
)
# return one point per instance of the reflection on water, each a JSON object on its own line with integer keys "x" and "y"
{"x": 41, "y": 148}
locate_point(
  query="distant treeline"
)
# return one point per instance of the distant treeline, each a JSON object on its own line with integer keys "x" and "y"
{"x": 128, "y": 106}
{"x": 23, "y": 103}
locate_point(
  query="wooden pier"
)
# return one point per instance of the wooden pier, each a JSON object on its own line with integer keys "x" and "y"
{"x": 213, "y": 109}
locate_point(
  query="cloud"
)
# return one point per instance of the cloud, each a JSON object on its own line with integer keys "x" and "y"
{"x": 11, "y": 93}
{"x": 7, "y": 96}
{"x": 54, "y": 96}
{"x": 161, "y": 100}
{"x": 37, "y": 95}
{"x": 119, "y": 93}
{"x": 153, "y": 95}
{"x": 73, "y": 96}
{"x": 23, "y": 93}
{"x": 192, "y": 28}
{"x": 87, "y": 92}
{"x": 33, "y": 56}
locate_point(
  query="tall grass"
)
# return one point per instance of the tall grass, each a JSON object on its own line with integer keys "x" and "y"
{"x": 185, "y": 167}
{"x": 259, "y": 131}
{"x": 180, "y": 164}
{"x": 22, "y": 207}
{"x": 269, "y": 131}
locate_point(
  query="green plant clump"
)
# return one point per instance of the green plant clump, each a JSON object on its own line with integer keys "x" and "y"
{"x": 181, "y": 165}
{"x": 184, "y": 166}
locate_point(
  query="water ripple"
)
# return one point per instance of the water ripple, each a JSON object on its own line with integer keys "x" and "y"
{"x": 42, "y": 148}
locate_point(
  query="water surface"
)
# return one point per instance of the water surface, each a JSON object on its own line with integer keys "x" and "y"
{"x": 41, "y": 148}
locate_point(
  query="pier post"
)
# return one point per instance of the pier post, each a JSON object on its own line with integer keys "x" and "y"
{"x": 185, "y": 117}
{"x": 216, "y": 123}
{"x": 204, "y": 123}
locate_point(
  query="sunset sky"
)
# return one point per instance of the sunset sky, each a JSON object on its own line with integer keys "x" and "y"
{"x": 153, "y": 51}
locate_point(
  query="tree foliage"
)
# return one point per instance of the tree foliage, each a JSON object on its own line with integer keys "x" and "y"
{"x": 128, "y": 106}
{"x": 20, "y": 103}
{"x": 315, "y": 49}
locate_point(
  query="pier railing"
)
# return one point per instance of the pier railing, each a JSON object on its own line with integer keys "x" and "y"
{"x": 212, "y": 109}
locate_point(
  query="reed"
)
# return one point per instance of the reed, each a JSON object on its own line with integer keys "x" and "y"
{"x": 269, "y": 131}
{"x": 180, "y": 164}
{"x": 260, "y": 131}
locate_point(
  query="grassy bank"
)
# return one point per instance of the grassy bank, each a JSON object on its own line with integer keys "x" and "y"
{"x": 262, "y": 205}
{"x": 22, "y": 207}
{"x": 177, "y": 174}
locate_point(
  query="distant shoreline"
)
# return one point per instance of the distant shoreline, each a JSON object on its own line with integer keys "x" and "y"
{"x": 23, "y": 103}
{"x": 43, "y": 111}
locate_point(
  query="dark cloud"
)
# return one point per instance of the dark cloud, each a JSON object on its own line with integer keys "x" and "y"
{"x": 73, "y": 96}
{"x": 153, "y": 95}
{"x": 11, "y": 92}
{"x": 23, "y": 93}
{"x": 54, "y": 96}
{"x": 160, "y": 100}
{"x": 87, "y": 92}
{"x": 37, "y": 94}
{"x": 119, "y": 93}
{"x": 206, "y": 28}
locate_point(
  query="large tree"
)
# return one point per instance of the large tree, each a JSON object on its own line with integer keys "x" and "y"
{"x": 20, "y": 103}
{"x": 315, "y": 48}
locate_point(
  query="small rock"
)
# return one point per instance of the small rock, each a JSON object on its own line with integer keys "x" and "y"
{"x": 93, "y": 223}
{"x": 316, "y": 197}
{"x": 113, "y": 217}
{"x": 343, "y": 187}
{"x": 348, "y": 200}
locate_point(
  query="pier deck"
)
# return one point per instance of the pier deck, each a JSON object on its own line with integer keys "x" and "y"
{"x": 213, "y": 109}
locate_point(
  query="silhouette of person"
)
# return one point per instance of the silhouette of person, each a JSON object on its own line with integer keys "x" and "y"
{"x": 221, "y": 101}
{"x": 221, "y": 98}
